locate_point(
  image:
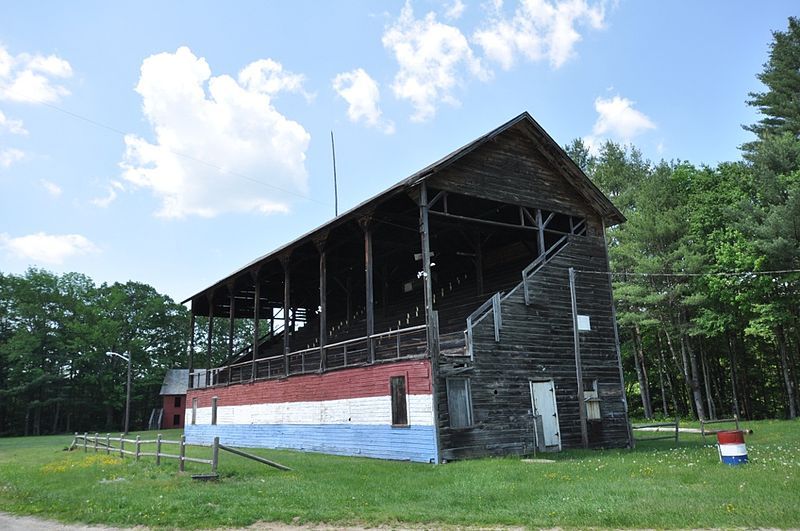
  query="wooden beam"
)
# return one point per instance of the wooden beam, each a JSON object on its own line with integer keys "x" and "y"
{"x": 456, "y": 217}
{"x": 191, "y": 344}
{"x": 286, "y": 307}
{"x": 540, "y": 229}
{"x": 210, "y": 335}
{"x": 366, "y": 225}
{"x": 431, "y": 317}
{"x": 231, "y": 320}
{"x": 578, "y": 365}
{"x": 323, "y": 301}
{"x": 256, "y": 323}
{"x": 478, "y": 246}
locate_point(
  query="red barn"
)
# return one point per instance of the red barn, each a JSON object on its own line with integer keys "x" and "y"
{"x": 173, "y": 391}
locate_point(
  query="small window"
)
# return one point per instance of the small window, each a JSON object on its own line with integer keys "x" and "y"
{"x": 399, "y": 406}
{"x": 459, "y": 402}
{"x": 194, "y": 411}
{"x": 592, "y": 400}
{"x": 213, "y": 411}
{"x": 176, "y": 420}
{"x": 177, "y": 401}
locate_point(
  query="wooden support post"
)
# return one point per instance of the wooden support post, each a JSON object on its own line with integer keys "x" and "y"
{"x": 121, "y": 445}
{"x": 431, "y": 317}
{"x": 96, "y": 436}
{"x": 349, "y": 299}
{"x": 286, "y": 306}
{"x": 540, "y": 232}
{"x": 191, "y": 345}
{"x": 479, "y": 262}
{"x": 366, "y": 224}
{"x": 108, "y": 444}
{"x": 158, "y": 449}
{"x": 209, "y": 340}
{"x": 231, "y": 325}
{"x": 578, "y": 366}
{"x": 215, "y": 455}
{"x": 256, "y": 325}
{"x": 323, "y": 302}
{"x": 85, "y": 436}
{"x": 182, "y": 454}
{"x": 138, "y": 446}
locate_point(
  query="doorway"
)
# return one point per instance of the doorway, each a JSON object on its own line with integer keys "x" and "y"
{"x": 543, "y": 402}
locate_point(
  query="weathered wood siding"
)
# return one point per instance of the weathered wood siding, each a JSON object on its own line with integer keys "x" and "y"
{"x": 512, "y": 170}
{"x": 536, "y": 342}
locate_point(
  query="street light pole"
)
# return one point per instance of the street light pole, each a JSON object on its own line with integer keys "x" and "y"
{"x": 126, "y": 357}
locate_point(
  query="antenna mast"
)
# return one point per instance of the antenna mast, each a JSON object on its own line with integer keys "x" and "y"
{"x": 335, "y": 185}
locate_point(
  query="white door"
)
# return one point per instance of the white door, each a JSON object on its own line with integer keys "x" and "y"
{"x": 543, "y": 400}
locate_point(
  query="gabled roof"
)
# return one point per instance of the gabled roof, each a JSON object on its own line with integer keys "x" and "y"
{"x": 176, "y": 382}
{"x": 548, "y": 147}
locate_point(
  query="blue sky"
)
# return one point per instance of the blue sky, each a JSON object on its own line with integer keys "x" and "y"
{"x": 173, "y": 142}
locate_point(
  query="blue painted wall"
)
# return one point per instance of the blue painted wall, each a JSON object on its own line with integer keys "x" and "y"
{"x": 413, "y": 443}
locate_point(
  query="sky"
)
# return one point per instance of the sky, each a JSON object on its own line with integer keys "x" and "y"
{"x": 173, "y": 142}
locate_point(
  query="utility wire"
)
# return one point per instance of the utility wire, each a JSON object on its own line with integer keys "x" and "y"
{"x": 179, "y": 154}
{"x": 710, "y": 274}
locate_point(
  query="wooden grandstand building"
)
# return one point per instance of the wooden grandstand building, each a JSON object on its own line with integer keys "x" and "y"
{"x": 463, "y": 312}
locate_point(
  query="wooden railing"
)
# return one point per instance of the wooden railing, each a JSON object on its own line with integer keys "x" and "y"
{"x": 397, "y": 344}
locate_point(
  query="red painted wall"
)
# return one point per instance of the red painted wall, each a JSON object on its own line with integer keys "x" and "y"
{"x": 346, "y": 383}
{"x": 171, "y": 410}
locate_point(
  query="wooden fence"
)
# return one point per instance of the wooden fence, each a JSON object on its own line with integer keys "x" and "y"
{"x": 104, "y": 444}
{"x": 657, "y": 427}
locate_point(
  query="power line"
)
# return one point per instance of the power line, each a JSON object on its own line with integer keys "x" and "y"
{"x": 220, "y": 169}
{"x": 709, "y": 274}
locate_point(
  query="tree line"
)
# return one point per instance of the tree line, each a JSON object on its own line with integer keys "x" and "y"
{"x": 706, "y": 268}
{"x": 705, "y": 274}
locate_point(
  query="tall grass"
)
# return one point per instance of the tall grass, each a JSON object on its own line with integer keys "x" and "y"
{"x": 656, "y": 485}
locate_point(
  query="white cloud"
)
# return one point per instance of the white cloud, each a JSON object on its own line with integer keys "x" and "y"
{"x": 51, "y": 187}
{"x": 47, "y": 248}
{"x": 110, "y": 197}
{"x": 362, "y": 95}
{"x": 9, "y": 156}
{"x": 617, "y": 119}
{"x": 430, "y": 55}
{"x": 538, "y": 29}
{"x": 454, "y": 10}
{"x": 221, "y": 145}
{"x": 32, "y": 78}
{"x": 14, "y": 127}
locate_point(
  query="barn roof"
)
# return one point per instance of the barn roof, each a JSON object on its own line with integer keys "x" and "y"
{"x": 547, "y": 146}
{"x": 176, "y": 381}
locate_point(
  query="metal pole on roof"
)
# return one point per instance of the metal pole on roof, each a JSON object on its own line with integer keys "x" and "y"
{"x": 335, "y": 185}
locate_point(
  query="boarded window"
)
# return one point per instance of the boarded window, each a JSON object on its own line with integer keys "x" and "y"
{"x": 399, "y": 407}
{"x": 194, "y": 410}
{"x": 592, "y": 400}
{"x": 177, "y": 401}
{"x": 176, "y": 420}
{"x": 459, "y": 402}
{"x": 214, "y": 411}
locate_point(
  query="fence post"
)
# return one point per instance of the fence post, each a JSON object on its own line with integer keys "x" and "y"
{"x": 108, "y": 443}
{"x": 215, "y": 455}
{"x": 85, "y": 436}
{"x": 95, "y": 441}
{"x": 138, "y": 446}
{"x": 74, "y": 442}
{"x": 182, "y": 452}
{"x": 158, "y": 449}
{"x": 121, "y": 446}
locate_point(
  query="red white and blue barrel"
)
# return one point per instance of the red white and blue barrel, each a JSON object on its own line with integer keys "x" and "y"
{"x": 732, "y": 449}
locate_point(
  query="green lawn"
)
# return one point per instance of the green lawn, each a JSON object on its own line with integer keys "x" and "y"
{"x": 654, "y": 486}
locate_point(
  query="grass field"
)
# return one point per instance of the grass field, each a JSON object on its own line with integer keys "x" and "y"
{"x": 654, "y": 486}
